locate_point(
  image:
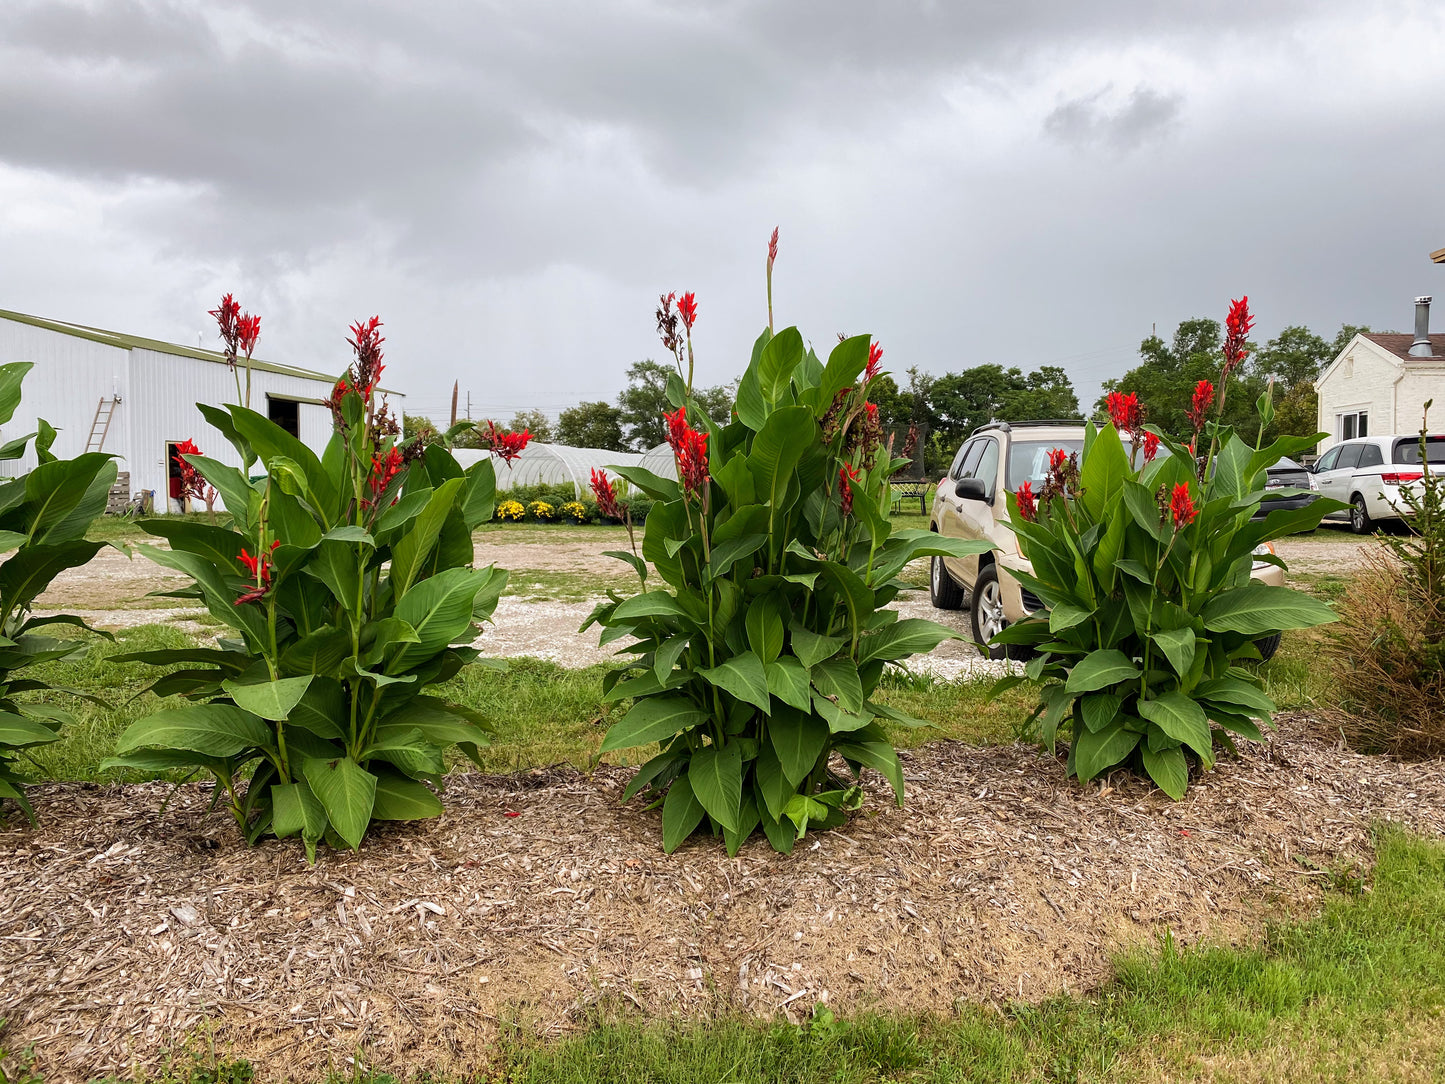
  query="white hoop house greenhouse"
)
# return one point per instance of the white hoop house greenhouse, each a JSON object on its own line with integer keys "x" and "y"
{"x": 553, "y": 464}
{"x": 660, "y": 461}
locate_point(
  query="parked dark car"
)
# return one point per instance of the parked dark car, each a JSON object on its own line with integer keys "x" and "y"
{"x": 1286, "y": 475}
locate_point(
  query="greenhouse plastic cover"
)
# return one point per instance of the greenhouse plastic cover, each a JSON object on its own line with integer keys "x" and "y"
{"x": 553, "y": 464}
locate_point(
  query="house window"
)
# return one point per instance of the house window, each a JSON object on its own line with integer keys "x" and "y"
{"x": 1354, "y": 424}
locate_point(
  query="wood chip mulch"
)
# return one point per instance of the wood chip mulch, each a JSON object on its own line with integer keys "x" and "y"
{"x": 133, "y": 923}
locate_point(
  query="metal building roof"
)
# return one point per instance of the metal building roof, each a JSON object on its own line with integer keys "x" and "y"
{"x": 138, "y": 342}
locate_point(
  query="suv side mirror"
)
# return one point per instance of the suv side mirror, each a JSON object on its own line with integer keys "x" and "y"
{"x": 971, "y": 489}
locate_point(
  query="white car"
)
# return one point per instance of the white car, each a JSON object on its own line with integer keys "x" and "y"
{"x": 1367, "y": 473}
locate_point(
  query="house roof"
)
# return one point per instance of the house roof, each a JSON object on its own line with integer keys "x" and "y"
{"x": 1399, "y": 344}
{"x": 137, "y": 342}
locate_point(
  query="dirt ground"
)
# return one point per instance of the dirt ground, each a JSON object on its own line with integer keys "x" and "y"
{"x": 135, "y": 921}
{"x": 111, "y": 592}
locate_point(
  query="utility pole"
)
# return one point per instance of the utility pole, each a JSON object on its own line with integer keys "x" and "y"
{"x": 469, "y": 406}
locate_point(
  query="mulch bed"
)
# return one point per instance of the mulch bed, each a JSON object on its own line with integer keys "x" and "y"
{"x": 134, "y": 922}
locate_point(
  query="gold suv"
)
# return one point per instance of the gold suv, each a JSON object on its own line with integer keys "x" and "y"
{"x": 969, "y": 503}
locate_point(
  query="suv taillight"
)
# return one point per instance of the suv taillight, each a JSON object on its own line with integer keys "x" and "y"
{"x": 1395, "y": 478}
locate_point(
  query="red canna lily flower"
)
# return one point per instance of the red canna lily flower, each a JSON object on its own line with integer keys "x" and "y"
{"x": 875, "y": 357}
{"x": 506, "y": 446}
{"x": 847, "y": 474}
{"x": 1199, "y": 403}
{"x": 366, "y": 340}
{"x": 1237, "y": 326}
{"x": 1057, "y": 458}
{"x": 192, "y": 484}
{"x": 1027, "y": 502}
{"x": 248, "y": 330}
{"x": 1151, "y": 447}
{"x": 1181, "y": 506}
{"x": 687, "y": 309}
{"x": 1124, "y": 411}
{"x": 607, "y": 502}
{"x": 773, "y": 248}
{"x": 384, "y": 469}
{"x": 689, "y": 449}
{"x": 258, "y": 568}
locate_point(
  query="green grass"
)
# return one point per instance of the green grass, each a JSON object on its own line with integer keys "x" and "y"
{"x": 528, "y": 533}
{"x": 552, "y": 586}
{"x": 541, "y": 713}
{"x": 1356, "y": 993}
{"x": 126, "y": 529}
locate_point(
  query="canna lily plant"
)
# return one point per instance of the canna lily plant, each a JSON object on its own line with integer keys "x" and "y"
{"x": 43, "y": 519}
{"x": 347, "y": 586}
{"x": 1144, "y": 561}
{"x": 757, "y": 656}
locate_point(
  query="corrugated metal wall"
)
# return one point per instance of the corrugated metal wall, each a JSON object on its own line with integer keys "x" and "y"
{"x": 70, "y": 377}
{"x": 159, "y": 393}
{"x": 168, "y": 389}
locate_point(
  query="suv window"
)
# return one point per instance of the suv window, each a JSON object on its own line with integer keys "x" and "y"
{"x": 1408, "y": 450}
{"x": 1349, "y": 457}
{"x": 956, "y": 466}
{"x": 987, "y": 467}
{"x": 1028, "y": 460}
{"x": 1327, "y": 461}
{"x": 970, "y": 461}
{"x": 1370, "y": 456}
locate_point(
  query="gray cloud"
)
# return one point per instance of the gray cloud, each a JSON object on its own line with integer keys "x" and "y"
{"x": 511, "y": 184}
{"x": 1087, "y": 122}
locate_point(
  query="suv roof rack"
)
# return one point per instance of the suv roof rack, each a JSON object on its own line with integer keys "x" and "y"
{"x": 1007, "y": 426}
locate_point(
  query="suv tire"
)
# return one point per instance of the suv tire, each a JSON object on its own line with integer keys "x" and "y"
{"x": 1268, "y": 646}
{"x": 943, "y": 592}
{"x": 1359, "y": 515}
{"x": 986, "y": 616}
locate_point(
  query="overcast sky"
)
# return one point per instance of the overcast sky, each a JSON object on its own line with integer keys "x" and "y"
{"x": 511, "y": 185}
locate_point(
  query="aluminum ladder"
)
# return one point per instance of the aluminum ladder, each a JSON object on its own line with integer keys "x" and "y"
{"x": 100, "y": 424}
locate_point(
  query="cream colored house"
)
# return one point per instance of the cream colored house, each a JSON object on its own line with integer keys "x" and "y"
{"x": 1380, "y": 382}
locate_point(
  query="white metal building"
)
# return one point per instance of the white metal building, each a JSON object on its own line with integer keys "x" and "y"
{"x": 135, "y": 397}
{"x": 1381, "y": 381}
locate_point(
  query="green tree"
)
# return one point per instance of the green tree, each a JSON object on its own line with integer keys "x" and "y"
{"x": 961, "y": 402}
{"x": 1165, "y": 381}
{"x": 1295, "y": 358}
{"x": 417, "y": 425}
{"x": 644, "y": 400}
{"x": 535, "y": 422}
{"x": 591, "y": 425}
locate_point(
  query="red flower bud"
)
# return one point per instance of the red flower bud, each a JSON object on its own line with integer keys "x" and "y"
{"x": 847, "y": 474}
{"x": 1151, "y": 447}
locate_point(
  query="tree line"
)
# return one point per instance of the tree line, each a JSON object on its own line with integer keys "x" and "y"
{"x": 941, "y": 411}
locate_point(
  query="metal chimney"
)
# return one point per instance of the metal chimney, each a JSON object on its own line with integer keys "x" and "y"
{"x": 1420, "y": 348}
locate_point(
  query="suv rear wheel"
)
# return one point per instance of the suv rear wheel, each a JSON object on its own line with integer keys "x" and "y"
{"x": 986, "y": 617}
{"x": 943, "y": 592}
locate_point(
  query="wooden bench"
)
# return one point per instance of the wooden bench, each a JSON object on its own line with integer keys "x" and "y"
{"x": 907, "y": 491}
